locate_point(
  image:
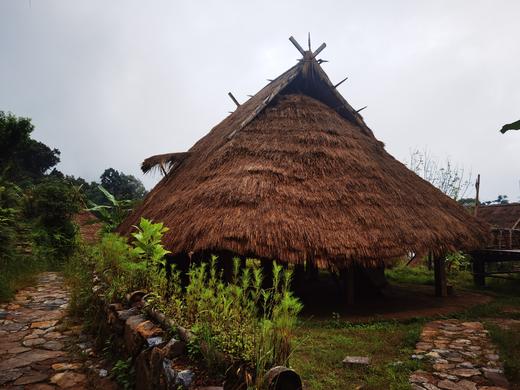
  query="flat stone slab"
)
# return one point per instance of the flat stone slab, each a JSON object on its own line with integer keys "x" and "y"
{"x": 356, "y": 360}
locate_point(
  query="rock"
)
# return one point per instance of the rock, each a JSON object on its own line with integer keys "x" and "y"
{"x": 66, "y": 366}
{"x": 356, "y": 360}
{"x": 30, "y": 377}
{"x": 169, "y": 373}
{"x": 9, "y": 376}
{"x": 53, "y": 345}
{"x": 496, "y": 378}
{"x": 447, "y": 384}
{"x": 154, "y": 341}
{"x": 429, "y": 386}
{"x": 421, "y": 377}
{"x": 43, "y": 324}
{"x": 174, "y": 348}
{"x": 67, "y": 380}
{"x": 465, "y": 372}
{"x": 103, "y": 373}
{"x": 33, "y": 342}
{"x": 466, "y": 385}
{"x": 184, "y": 378}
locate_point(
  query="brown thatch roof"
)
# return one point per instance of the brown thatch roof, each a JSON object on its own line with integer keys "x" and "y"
{"x": 505, "y": 216}
{"x": 164, "y": 162}
{"x": 295, "y": 174}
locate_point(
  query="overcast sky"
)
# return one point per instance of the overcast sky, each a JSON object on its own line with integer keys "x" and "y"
{"x": 111, "y": 83}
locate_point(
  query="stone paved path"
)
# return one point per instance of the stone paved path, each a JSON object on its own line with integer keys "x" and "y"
{"x": 34, "y": 344}
{"x": 462, "y": 356}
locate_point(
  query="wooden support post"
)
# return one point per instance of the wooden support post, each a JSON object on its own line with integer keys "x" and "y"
{"x": 267, "y": 272}
{"x": 479, "y": 270}
{"x": 439, "y": 269}
{"x": 298, "y": 277}
{"x": 347, "y": 276}
{"x": 477, "y": 194}
{"x": 350, "y": 286}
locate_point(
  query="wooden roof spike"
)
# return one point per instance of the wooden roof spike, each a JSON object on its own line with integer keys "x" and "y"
{"x": 307, "y": 54}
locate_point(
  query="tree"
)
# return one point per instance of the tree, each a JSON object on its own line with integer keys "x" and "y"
{"x": 21, "y": 157}
{"x": 448, "y": 177}
{"x": 510, "y": 126}
{"x": 122, "y": 186}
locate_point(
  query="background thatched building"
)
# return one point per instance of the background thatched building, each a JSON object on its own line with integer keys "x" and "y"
{"x": 295, "y": 174}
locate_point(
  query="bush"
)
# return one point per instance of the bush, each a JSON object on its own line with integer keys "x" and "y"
{"x": 250, "y": 324}
{"x": 51, "y": 205}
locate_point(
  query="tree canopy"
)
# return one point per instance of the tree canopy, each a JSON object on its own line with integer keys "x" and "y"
{"x": 21, "y": 157}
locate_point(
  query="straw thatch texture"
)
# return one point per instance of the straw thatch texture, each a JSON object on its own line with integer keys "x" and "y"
{"x": 164, "y": 162}
{"x": 295, "y": 175}
{"x": 505, "y": 216}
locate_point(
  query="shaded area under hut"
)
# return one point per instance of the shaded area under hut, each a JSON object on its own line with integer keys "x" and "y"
{"x": 295, "y": 175}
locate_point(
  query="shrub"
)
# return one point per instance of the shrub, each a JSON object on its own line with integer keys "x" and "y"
{"x": 251, "y": 325}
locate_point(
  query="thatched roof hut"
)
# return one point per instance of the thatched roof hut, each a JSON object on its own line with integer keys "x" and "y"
{"x": 295, "y": 174}
{"x": 506, "y": 216}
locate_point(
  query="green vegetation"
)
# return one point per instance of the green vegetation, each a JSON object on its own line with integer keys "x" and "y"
{"x": 38, "y": 203}
{"x": 322, "y": 345}
{"x": 238, "y": 320}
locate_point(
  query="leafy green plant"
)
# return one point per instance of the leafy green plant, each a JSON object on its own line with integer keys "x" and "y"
{"x": 138, "y": 265}
{"x": 124, "y": 374}
{"x": 113, "y": 213}
{"x": 147, "y": 243}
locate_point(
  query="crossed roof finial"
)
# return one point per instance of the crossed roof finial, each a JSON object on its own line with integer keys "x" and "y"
{"x": 307, "y": 55}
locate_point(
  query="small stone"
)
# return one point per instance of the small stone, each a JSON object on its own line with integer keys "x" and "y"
{"x": 66, "y": 366}
{"x": 53, "y": 345}
{"x": 154, "y": 341}
{"x": 185, "y": 378}
{"x": 174, "y": 348}
{"x": 31, "y": 377}
{"x": 421, "y": 377}
{"x": 447, "y": 384}
{"x": 68, "y": 379}
{"x": 433, "y": 355}
{"x": 429, "y": 386}
{"x": 492, "y": 357}
{"x": 43, "y": 324}
{"x": 33, "y": 342}
{"x": 465, "y": 372}
{"x": 356, "y": 360}
{"x": 465, "y": 365}
{"x": 443, "y": 375}
{"x": 103, "y": 373}
{"x": 467, "y": 385}
{"x": 498, "y": 379}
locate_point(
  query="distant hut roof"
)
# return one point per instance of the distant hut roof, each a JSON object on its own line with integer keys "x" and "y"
{"x": 295, "y": 174}
{"x": 506, "y": 216}
{"x": 89, "y": 226}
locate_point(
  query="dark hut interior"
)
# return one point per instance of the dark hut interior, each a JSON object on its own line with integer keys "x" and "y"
{"x": 295, "y": 175}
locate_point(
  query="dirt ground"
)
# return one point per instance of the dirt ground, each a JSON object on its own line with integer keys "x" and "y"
{"x": 398, "y": 302}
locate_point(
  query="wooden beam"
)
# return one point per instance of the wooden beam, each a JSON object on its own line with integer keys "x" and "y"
{"x": 319, "y": 50}
{"x": 439, "y": 269}
{"x": 361, "y": 109}
{"x": 297, "y": 45}
{"x": 477, "y": 188}
{"x": 233, "y": 98}
{"x": 341, "y": 82}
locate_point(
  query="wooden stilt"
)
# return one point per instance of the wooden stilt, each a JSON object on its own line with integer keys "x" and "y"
{"x": 479, "y": 270}
{"x": 439, "y": 269}
{"x": 347, "y": 277}
{"x": 350, "y": 286}
{"x": 267, "y": 272}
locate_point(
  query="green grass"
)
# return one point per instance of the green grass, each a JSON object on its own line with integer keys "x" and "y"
{"x": 322, "y": 345}
{"x": 16, "y": 273}
{"x": 508, "y": 342}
